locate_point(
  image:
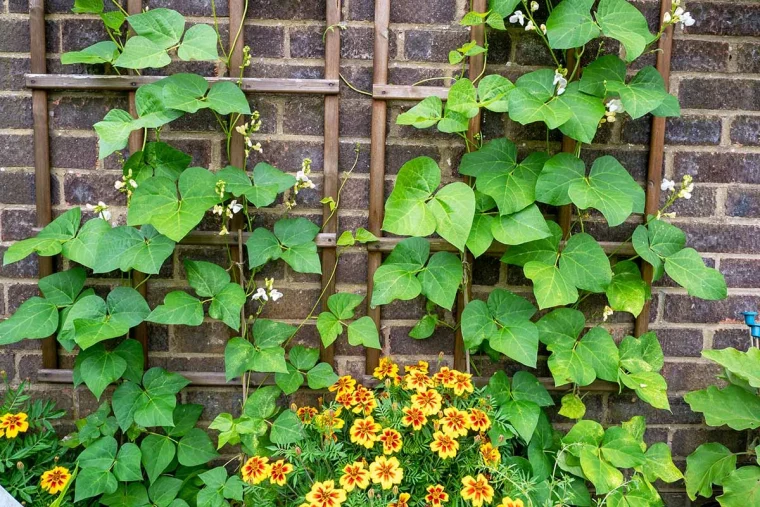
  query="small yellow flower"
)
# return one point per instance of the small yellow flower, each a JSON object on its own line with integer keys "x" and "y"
{"x": 53, "y": 481}
{"x": 364, "y": 401}
{"x": 13, "y": 424}
{"x": 436, "y": 495}
{"x": 421, "y": 366}
{"x": 477, "y": 490}
{"x": 391, "y": 440}
{"x": 403, "y": 501}
{"x": 491, "y": 455}
{"x": 329, "y": 421}
{"x": 279, "y": 471}
{"x": 324, "y": 494}
{"x": 455, "y": 422}
{"x": 446, "y": 377}
{"x": 306, "y": 414}
{"x": 508, "y": 502}
{"x": 428, "y": 401}
{"x": 386, "y": 472}
{"x": 256, "y": 470}
{"x": 479, "y": 420}
{"x": 417, "y": 381}
{"x": 364, "y": 432}
{"x": 444, "y": 444}
{"x": 463, "y": 384}
{"x": 344, "y": 383}
{"x": 386, "y": 369}
{"x": 354, "y": 476}
{"x": 413, "y": 417}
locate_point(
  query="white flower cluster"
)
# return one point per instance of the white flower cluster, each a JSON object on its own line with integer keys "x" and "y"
{"x": 519, "y": 18}
{"x": 678, "y": 15}
{"x": 608, "y": 311}
{"x": 684, "y": 192}
{"x": 267, "y": 292}
{"x": 560, "y": 82}
{"x": 231, "y": 209}
{"x": 126, "y": 184}
{"x": 612, "y": 108}
{"x": 247, "y": 130}
{"x": 101, "y": 209}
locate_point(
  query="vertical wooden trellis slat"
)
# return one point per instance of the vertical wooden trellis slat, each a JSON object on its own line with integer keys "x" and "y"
{"x": 476, "y": 68}
{"x": 565, "y": 213}
{"x": 41, "y": 154}
{"x": 377, "y": 162}
{"x": 656, "y": 147}
{"x": 330, "y": 163}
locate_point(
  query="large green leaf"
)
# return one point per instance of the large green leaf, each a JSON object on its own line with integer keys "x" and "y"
{"x": 226, "y": 305}
{"x": 125, "y": 308}
{"x": 98, "y": 53}
{"x": 605, "y": 69}
{"x": 745, "y": 365}
{"x": 142, "y": 53}
{"x": 519, "y": 341}
{"x": 493, "y": 93}
{"x": 561, "y": 326}
{"x": 286, "y": 429}
{"x": 544, "y": 250}
{"x": 84, "y": 248}
{"x": 601, "y": 473}
{"x": 586, "y": 111}
{"x": 262, "y": 246}
{"x": 207, "y": 278}
{"x": 688, "y": 270}
{"x": 271, "y": 333}
{"x": 164, "y": 27}
{"x": 62, "y": 289}
{"x": 524, "y": 226}
{"x": 709, "y": 464}
{"x": 226, "y": 97}
{"x": 598, "y": 349}
{"x": 523, "y": 415}
{"x": 584, "y": 263}
{"x": 550, "y": 286}
{"x": 195, "y": 448}
{"x": 567, "y": 365}
{"x": 127, "y": 248}
{"x": 571, "y": 25}
{"x": 127, "y": 466}
{"x": 659, "y": 464}
{"x": 157, "y": 453}
{"x": 395, "y": 281}
{"x": 559, "y": 172}
{"x": 50, "y": 239}
{"x": 98, "y": 367}
{"x": 453, "y": 207}
{"x": 624, "y": 22}
{"x": 238, "y": 357}
{"x": 741, "y": 487}
{"x": 732, "y": 405}
{"x": 321, "y": 376}
{"x": 477, "y": 324}
{"x": 441, "y": 278}
{"x": 534, "y": 100}
{"x": 645, "y": 93}
{"x": 179, "y": 308}
{"x": 499, "y": 155}
{"x": 93, "y": 482}
{"x": 621, "y": 449}
{"x": 627, "y": 291}
{"x": 363, "y": 331}
{"x": 200, "y": 43}
{"x": 423, "y": 115}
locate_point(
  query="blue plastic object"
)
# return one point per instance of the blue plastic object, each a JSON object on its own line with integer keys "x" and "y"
{"x": 754, "y": 327}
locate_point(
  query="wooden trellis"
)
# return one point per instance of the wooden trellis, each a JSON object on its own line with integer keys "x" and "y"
{"x": 39, "y": 81}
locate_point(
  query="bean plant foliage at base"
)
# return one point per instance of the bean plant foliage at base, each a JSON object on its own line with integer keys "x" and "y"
{"x": 477, "y": 446}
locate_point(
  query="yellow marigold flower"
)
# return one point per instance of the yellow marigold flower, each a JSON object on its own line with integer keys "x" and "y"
{"x": 256, "y": 469}
{"x": 391, "y": 440}
{"x": 403, "y": 501}
{"x": 421, "y": 366}
{"x": 345, "y": 398}
{"x": 455, "y": 422}
{"x": 354, "y": 476}
{"x": 413, "y": 417}
{"x": 329, "y": 420}
{"x": 53, "y": 481}
{"x": 417, "y": 381}
{"x": 306, "y": 414}
{"x": 428, "y": 401}
{"x": 364, "y": 432}
{"x": 477, "y": 490}
{"x": 463, "y": 384}
{"x": 479, "y": 420}
{"x": 444, "y": 444}
{"x": 278, "y": 472}
{"x": 508, "y": 502}
{"x": 324, "y": 494}
{"x": 436, "y": 495}
{"x": 364, "y": 401}
{"x": 386, "y": 472}
{"x": 344, "y": 383}
{"x": 386, "y": 369}
{"x": 446, "y": 377}
{"x": 491, "y": 455}
{"x": 13, "y": 424}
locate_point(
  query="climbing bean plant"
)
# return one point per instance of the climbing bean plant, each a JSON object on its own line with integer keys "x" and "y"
{"x": 142, "y": 446}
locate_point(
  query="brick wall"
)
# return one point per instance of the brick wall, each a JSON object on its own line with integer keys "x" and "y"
{"x": 716, "y": 74}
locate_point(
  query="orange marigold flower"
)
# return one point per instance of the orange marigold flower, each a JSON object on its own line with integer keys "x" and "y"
{"x": 345, "y": 398}
{"x": 53, "y": 481}
{"x": 386, "y": 369}
{"x": 446, "y": 377}
{"x": 364, "y": 432}
{"x": 479, "y": 420}
{"x": 354, "y": 476}
{"x": 329, "y": 420}
{"x": 278, "y": 472}
{"x": 324, "y": 494}
{"x": 13, "y": 424}
{"x": 444, "y": 444}
{"x": 413, "y": 417}
{"x": 508, "y": 502}
{"x": 436, "y": 495}
{"x": 364, "y": 399}
{"x": 421, "y": 366}
{"x": 306, "y": 414}
{"x": 417, "y": 381}
{"x": 386, "y": 472}
{"x": 344, "y": 383}
{"x": 403, "y": 501}
{"x": 391, "y": 440}
{"x": 428, "y": 401}
{"x": 477, "y": 490}
{"x": 256, "y": 469}
{"x": 463, "y": 384}
{"x": 491, "y": 455}
{"x": 455, "y": 422}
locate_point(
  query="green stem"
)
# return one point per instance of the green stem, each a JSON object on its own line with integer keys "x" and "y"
{"x": 357, "y": 90}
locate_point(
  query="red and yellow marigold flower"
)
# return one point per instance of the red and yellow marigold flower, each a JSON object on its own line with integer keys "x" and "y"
{"x": 479, "y": 420}
{"x": 13, "y": 424}
{"x": 463, "y": 384}
{"x": 364, "y": 432}
{"x": 455, "y": 422}
{"x": 477, "y": 490}
{"x": 53, "y": 481}
{"x": 278, "y": 472}
{"x": 446, "y": 377}
{"x": 403, "y": 501}
{"x": 324, "y": 494}
{"x": 386, "y": 369}
{"x": 364, "y": 401}
{"x": 306, "y": 414}
{"x": 391, "y": 440}
{"x": 444, "y": 444}
{"x": 436, "y": 496}
{"x": 329, "y": 421}
{"x": 491, "y": 455}
{"x": 428, "y": 401}
{"x": 508, "y": 502}
{"x": 345, "y": 398}
{"x": 386, "y": 472}
{"x": 413, "y": 417}
{"x": 354, "y": 476}
{"x": 417, "y": 381}
{"x": 344, "y": 383}
{"x": 256, "y": 469}
{"x": 420, "y": 366}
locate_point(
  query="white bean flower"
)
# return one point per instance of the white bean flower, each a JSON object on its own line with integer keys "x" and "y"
{"x": 517, "y": 17}
{"x": 234, "y": 206}
{"x": 667, "y": 185}
{"x": 529, "y": 27}
{"x": 101, "y": 210}
{"x": 560, "y": 82}
{"x": 260, "y": 294}
{"x": 275, "y": 294}
{"x": 533, "y": 6}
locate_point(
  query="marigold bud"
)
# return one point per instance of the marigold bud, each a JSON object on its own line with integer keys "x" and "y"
{"x": 501, "y": 439}
{"x": 20, "y": 465}
{"x": 387, "y": 383}
{"x": 298, "y": 451}
{"x": 293, "y": 407}
{"x": 395, "y": 490}
{"x": 371, "y": 494}
{"x": 395, "y": 406}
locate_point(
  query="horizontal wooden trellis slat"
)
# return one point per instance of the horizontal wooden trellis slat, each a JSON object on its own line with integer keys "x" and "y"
{"x": 218, "y": 379}
{"x": 407, "y": 92}
{"x": 121, "y": 83}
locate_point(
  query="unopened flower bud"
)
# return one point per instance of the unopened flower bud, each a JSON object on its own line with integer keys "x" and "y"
{"x": 395, "y": 406}
{"x": 501, "y": 439}
{"x": 298, "y": 451}
{"x": 293, "y": 407}
{"x": 387, "y": 383}
{"x": 20, "y": 465}
{"x": 395, "y": 490}
{"x": 371, "y": 494}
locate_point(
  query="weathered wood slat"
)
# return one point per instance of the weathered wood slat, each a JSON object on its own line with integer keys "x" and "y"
{"x": 404, "y": 92}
